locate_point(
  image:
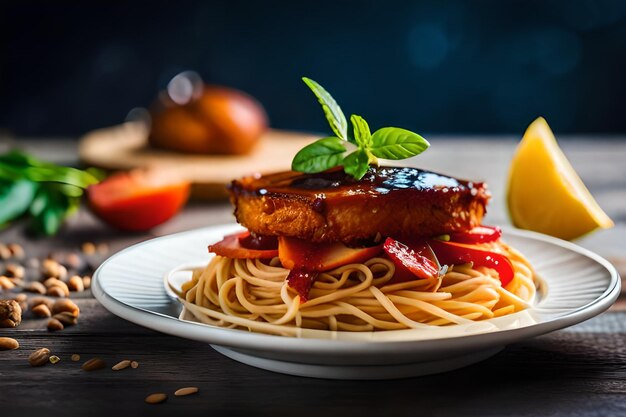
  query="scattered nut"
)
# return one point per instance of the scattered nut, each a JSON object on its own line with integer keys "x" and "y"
{"x": 8, "y": 343}
{"x": 35, "y": 301}
{"x": 55, "y": 292}
{"x": 121, "y": 365}
{"x": 14, "y": 271}
{"x": 156, "y": 398}
{"x": 76, "y": 284}
{"x": 10, "y": 313}
{"x": 50, "y": 268}
{"x": 62, "y": 272}
{"x": 54, "y": 359}
{"x": 55, "y": 282}
{"x": 5, "y": 253}
{"x": 6, "y": 283}
{"x": 87, "y": 282}
{"x": 41, "y": 310}
{"x": 55, "y": 325}
{"x": 20, "y": 297}
{"x": 65, "y": 305}
{"x": 73, "y": 261}
{"x": 134, "y": 364}
{"x": 33, "y": 263}
{"x": 36, "y": 287}
{"x": 88, "y": 248}
{"x": 186, "y": 391}
{"x": 17, "y": 282}
{"x": 17, "y": 251}
{"x": 75, "y": 357}
{"x": 39, "y": 357}
{"x": 93, "y": 364}
{"x": 21, "y": 300}
{"x": 66, "y": 318}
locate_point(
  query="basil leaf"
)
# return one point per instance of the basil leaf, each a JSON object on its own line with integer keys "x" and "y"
{"x": 395, "y": 143}
{"x": 356, "y": 164}
{"x": 362, "y": 132}
{"x": 332, "y": 111}
{"x": 319, "y": 156}
{"x": 15, "y": 199}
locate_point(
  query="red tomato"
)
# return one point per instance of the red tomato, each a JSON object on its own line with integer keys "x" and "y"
{"x": 298, "y": 253}
{"x": 232, "y": 246}
{"x": 137, "y": 200}
{"x": 411, "y": 262}
{"x": 450, "y": 253}
{"x": 479, "y": 234}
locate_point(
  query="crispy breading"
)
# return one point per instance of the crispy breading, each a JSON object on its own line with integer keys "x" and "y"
{"x": 403, "y": 203}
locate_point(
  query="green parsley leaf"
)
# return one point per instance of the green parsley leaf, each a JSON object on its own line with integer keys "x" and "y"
{"x": 396, "y": 143}
{"x": 319, "y": 156}
{"x": 332, "y": 111}
{"x": 356, "y": 164}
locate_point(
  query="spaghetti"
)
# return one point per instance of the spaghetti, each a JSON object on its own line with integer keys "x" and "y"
{"x": 254, "y": 294}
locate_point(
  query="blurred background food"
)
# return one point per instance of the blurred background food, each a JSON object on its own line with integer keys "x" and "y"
{"x": 190, "y": 116}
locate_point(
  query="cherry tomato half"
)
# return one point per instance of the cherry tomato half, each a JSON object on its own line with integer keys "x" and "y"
{"x": 137, "y": 200}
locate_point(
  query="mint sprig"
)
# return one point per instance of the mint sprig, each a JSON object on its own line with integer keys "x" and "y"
{"x": 386, "y": 143}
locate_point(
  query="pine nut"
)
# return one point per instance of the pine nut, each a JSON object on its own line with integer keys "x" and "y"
{"x": 93, "y": 364}
{"x": 66, "y": 318}
{"x": 41, "y": 310}
{"x": 8, "y": 343}
{"x": 156, "y": 398}
{"x": 54, "y": 325}
{"x": 121, "y": 365}
{"x": 55, "y": 292}
{"x": 36, "y": 287}
{"x": 134, "y": 364}
{"x": 76, "y": 284}
{"x": 65, "y": 305}
{"x": 186, "y": 391}
{"x": 75, "y": 357}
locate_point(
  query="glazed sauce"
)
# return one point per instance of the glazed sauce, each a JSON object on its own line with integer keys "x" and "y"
{"x": 335, "y": 183}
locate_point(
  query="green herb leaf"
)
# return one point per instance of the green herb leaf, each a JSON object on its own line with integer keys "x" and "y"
{"x": 319, "y": 156}
{"x": 15, "y": 199}
{"x": 332, "y": 111}
{"x": 356, "y": 164}
{"x": 395, "y": 143}
{"x": 49, "y": 210}
{"x": 362, "y": 132}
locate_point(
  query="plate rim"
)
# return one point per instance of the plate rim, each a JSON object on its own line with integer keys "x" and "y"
{"x": 249, "y": 340}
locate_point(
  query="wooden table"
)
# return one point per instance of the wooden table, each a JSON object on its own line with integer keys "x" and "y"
{"x": 573, "y": 372}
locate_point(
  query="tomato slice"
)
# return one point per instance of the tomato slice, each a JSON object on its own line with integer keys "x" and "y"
{"x": 452, "y": 253}
{"x": 138, "y": 200}
{"x": 302, "y": 280}
{"x": 479, "y": 234}
{"x": 231, "y": 247}
{"x": 298, "y": 253}
{"x": 416, "y": 261}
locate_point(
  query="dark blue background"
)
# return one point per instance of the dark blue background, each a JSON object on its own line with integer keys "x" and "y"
{"x": 439, "y": 66}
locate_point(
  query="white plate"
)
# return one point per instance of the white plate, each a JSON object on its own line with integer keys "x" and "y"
{"x": 576, "y": 285}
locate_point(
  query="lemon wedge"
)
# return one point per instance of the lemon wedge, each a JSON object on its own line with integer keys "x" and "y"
{"x": 545, "y": 194}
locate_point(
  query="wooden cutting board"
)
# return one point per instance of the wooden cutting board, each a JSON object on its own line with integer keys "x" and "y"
{"x": 126, "y": 147}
